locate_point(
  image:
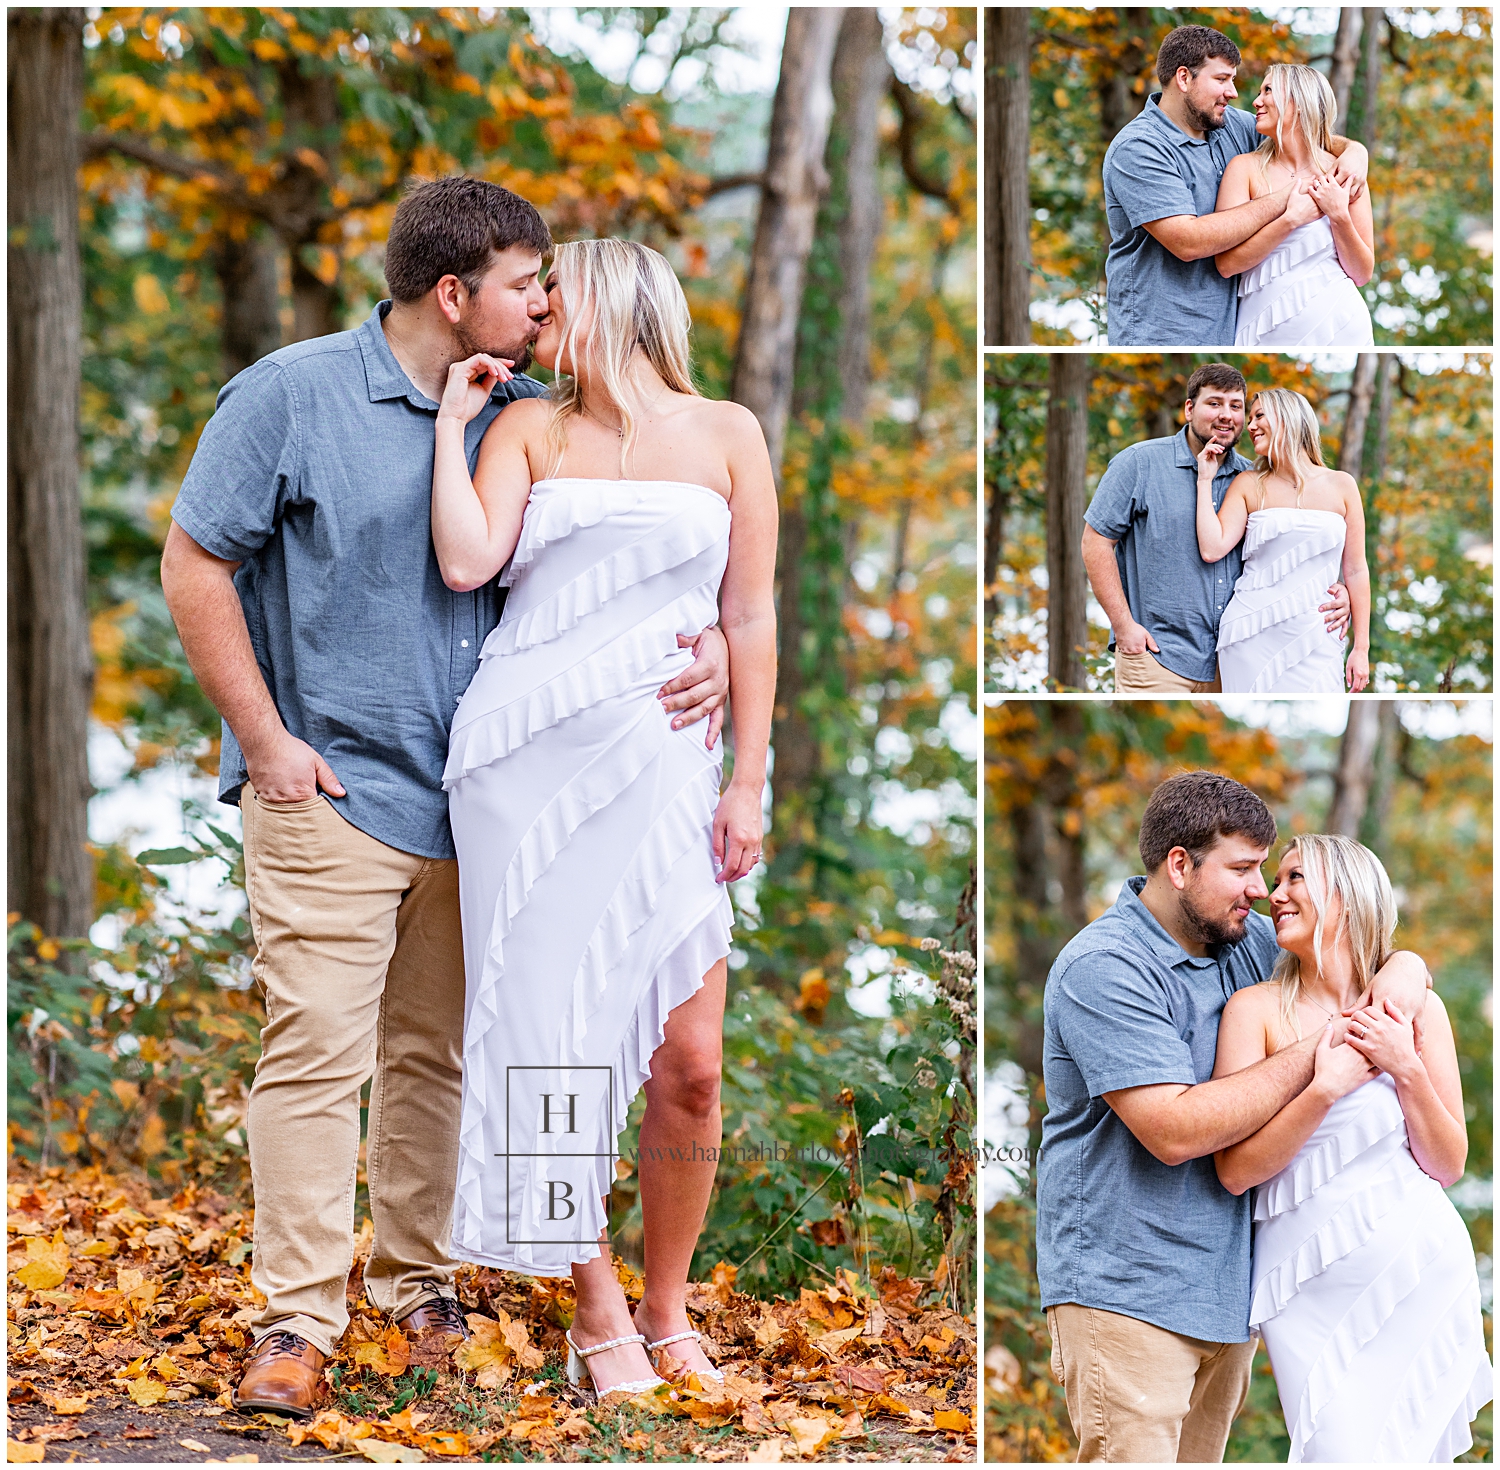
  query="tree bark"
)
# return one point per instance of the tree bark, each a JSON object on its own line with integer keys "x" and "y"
{"x": 1357, "y": 415}
{"x": 1351, "y": 785}
{"x": 1370, "y": 125}
{"x": 994, "y": 541}
{"x": 1067, "y": 460}
{"x": 250, "y": 297}
{"x": 1007, "y": 185}
{"x": 49, "y": 668}
{"x": 860, "y": 77}
{"x": 795, "y": 177}
{"x": 1345, "y": 58}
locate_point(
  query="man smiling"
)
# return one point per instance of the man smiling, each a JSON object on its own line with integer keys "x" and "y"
{"x": 1140, "y": 547}
{"x": 1142, "y": 1255}
{"x": 1161, "y": 183}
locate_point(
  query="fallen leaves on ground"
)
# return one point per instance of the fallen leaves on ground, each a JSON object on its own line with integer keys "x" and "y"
{"x": 119, "y": 1299}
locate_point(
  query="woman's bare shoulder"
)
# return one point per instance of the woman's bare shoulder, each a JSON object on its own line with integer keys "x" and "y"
{"x": 723, "y": 415}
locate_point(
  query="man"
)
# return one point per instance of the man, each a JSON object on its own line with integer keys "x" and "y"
{"x": 301, "y": 576}
{"x": 1140, "y": 547}
{"x": 1143, "y": 1257}
{"x": 1161, "y": 181}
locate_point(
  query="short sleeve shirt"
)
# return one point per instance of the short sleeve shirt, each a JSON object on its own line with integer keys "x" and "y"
{"x": 1153, "y": 170}
{"x": 1147, "y": 504}
{"x": 315, "y": 474}
{"x": 1126, "y": 1006}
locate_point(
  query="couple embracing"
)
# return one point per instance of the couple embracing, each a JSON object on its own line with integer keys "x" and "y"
{"x": 1250, "y": 1127}
{"x": 1235, "y": 228}
{"x": 485, "y": 849}
{"x": 1212, "y": 569}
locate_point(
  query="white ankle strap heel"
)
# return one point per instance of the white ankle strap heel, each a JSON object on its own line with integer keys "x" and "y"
{"x": 661, "y": 1342}
{"x": 578, "y": 1366}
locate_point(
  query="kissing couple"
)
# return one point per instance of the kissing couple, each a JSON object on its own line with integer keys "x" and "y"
{"x": 1250, "y": 1126}
{"x": 486, "y": 849}
{"x": 1211, "y": 568}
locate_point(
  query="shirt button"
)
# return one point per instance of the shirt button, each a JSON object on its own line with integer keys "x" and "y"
{"x": 463, "y": 642}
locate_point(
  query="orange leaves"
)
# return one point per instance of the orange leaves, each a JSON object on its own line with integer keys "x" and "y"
{"x": 389, "y": 1357}
{"x": 496, "y": 1349}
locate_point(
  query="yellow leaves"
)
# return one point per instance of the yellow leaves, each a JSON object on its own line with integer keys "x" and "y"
{"x": 952, "y": 1419}
{"x": 382, "y": 1452}
{"x": 390, "y": 1359}
{"x": 496, "y": 1349}
{"x": 66, "y": 1404}
{"x": 46, "y": 1263}
{"x": 146, "y": 1391}
{"x": 331, "y": 1430}
{"x": 267, "y": 49}
{"x": 17, "y": 1453}
{"x": 149, "y": 296}
{"x": 810, "y": 1435}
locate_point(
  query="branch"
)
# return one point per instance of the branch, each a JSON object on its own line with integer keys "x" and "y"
{"x": 910, "y": 108}
{"x": 734, "y": 181}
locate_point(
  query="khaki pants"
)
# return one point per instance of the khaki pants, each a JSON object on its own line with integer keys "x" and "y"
{"x": 1138, "y": 1394}
{"x": 360, "y": 955}
{"x": 1143, "y": 673}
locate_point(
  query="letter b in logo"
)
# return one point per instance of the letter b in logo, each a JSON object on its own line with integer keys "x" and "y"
{"x": 560, "y": 1192}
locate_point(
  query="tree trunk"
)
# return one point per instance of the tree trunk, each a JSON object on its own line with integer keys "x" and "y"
{"x": 1387, "y": 771}
{"x": 1133, "y": 44}
{"x": 1067, "y": 460}
{"x": 1351, "y": 786}
{"x": 1370, "y": 127}
{"x": 50, "y": 669}
{"x": 794, "y": 178}
{"x": 994, "y": 541}
{"x": 250, "y": 297}
{"x": 1357, "y": 415}
{"x": 860, "y": 77}
{"x": 1345, "y": 57}
{"x": 315, "y": 304}
{"x": 1007, "y": 184}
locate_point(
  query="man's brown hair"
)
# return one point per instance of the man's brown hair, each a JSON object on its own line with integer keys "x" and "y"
{"x": 1197, "y": 808}
{"x": 453, "y": 227}
{"x": 1215, "y": 375}
{"x": 1191, "y": 46}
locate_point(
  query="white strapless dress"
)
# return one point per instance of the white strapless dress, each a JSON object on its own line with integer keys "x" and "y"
{"x": 1365, "y": 1291}
{"x": 1272, "y": 638}
{"x": 583, "y": 824}
{"x": 1300, "y": 296}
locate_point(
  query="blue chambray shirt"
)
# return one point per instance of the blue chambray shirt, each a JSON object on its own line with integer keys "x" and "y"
{"x": 1127, "y": 1006}
{"x": 315, "y": 474}
{"x": 1147, "y": 504}
{"x": 1153, "y": 170}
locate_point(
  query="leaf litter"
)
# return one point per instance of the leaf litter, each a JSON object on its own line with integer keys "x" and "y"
{"x": 119, "y": 1300}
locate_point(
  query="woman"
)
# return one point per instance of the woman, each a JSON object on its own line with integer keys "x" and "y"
{"x": 1304, "y": 529}
{"x": 1363, "y": 1284}
{"x": 632, "y": 511}
{"x": 1299, "y": 276}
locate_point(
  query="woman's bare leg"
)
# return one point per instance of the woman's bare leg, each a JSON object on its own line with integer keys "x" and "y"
{"x": 603, "y": 1313}
{"x": 680, "y": 1137}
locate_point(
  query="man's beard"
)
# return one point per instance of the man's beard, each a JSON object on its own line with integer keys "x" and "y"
{"x": 1205, "y": 120}
{"x": 518, "y": 357}
{"x": 1193, "y": 435}
{"x": 1207, "y": 929}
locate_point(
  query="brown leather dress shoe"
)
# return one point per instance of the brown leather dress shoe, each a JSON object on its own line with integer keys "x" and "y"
{"x": 434, "y": 1328}
{"x": 283, "y": 1376}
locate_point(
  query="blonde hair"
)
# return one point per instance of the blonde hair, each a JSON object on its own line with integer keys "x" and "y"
{"x": 638, "y": 306}
{"x": 1311, "y": 97}
{"x": 1332, "y": 864}
{"x": 1294, "y": 437}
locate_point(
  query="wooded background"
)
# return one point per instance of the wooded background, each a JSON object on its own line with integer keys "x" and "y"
{"x": 1066, "y": 783}
{"x": 1413, "y": 429}
{"x": 1414, "y": 85}
{"x": 190, "y": 189}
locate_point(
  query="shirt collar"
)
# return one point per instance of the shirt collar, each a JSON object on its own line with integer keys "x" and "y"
{"x": 1146, "y": 923}
{"x": 385, "y": 376}
{"x": 1184, "y": 459}
{"x": 1153, "y": 114}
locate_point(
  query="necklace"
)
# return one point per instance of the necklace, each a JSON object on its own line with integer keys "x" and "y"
{"x": 620, "y": 431}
